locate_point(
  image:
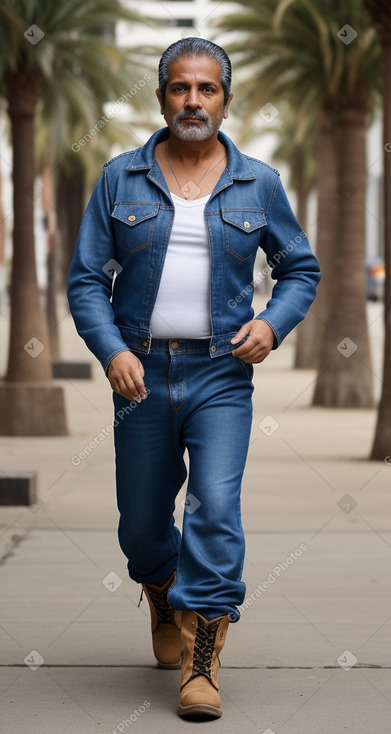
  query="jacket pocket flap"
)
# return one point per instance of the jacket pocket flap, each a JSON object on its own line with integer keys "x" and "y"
{"x": 247, "y": 220}
{"x": 132, "y": 214}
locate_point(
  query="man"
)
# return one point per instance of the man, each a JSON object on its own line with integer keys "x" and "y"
{"x": 180, "y": 221}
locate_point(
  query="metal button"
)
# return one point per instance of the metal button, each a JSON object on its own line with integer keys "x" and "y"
{"x": 145, "y": 343}
{"x": 174, "y": 345}
{"x": 213, "y": 349}
{"x": 131, "y": 217}
{"x": 246, "y": 224}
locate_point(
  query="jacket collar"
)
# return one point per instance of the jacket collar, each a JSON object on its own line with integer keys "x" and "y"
{"x": 238, "y": 166}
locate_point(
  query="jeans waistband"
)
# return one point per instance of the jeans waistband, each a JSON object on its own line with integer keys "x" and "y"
{"x": 180, "y": 346}
{"x": 138, "y": 340}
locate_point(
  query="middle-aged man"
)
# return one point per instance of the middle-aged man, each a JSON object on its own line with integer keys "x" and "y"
{"x": 179, "y": 221}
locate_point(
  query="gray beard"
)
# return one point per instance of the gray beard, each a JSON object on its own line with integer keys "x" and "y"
{"x": 187, "y": 131}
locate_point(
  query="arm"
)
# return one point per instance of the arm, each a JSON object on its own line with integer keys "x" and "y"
{"x": 297, "y": 273}
{"x": 89, "y": 292}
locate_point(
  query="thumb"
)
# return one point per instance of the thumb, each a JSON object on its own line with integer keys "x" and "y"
{"x": 240, "y": 334}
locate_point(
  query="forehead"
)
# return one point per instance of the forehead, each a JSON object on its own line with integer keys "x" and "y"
{"x": 199, "y": 67}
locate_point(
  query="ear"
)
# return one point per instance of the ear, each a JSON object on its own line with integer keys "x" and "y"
{"x": 229, "y": 100}
{"x": 159, "y": 96}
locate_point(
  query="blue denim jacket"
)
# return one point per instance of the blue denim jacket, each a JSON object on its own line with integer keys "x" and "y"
{"x": 126, "y": 229}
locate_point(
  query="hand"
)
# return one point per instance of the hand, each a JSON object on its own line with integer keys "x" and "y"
{"x": 258, "y": 344}
{"x": 125, "y": 374}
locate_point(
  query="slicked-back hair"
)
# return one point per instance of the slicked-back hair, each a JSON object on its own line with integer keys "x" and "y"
{"x": 187, "y": 47}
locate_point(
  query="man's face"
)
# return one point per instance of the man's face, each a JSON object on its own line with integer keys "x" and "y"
{"x": 194, "y": 102}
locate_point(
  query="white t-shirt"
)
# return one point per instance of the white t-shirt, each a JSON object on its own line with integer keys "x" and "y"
{"x": 182, "y": 307}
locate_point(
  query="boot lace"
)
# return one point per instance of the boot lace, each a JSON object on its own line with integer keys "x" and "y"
{"x": 164, "y": 611}
{"x": 203, "y": 649}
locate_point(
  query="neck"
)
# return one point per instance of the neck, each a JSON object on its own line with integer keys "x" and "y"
{"x": 191, "y": 151}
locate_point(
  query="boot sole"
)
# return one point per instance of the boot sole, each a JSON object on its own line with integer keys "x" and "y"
{"x": 169, "y": 666}
{"x": 200, "y": 710}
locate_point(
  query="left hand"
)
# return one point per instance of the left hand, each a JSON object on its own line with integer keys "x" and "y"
{"x": 259, "y": 342}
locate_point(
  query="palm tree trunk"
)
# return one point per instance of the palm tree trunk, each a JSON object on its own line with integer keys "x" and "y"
{"x": 70, "y": 208}
{"x": 51, "y": 262}
{"x": 27, "y": 318}
{"x": 2, "y": 247}
{"x": 345, "y": 379}
{"x": 314, "y": 323}
{"x": 305, "y": 332}
{"x": 29, "y": 403}
{"x": 382, "y": 441}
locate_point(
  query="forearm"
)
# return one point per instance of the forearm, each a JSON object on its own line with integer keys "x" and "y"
{"x": 91, "y": 278}
{"x": 289, "y": 304}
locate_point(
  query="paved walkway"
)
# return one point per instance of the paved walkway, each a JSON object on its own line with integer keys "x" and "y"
{"x": 312, "y": 651}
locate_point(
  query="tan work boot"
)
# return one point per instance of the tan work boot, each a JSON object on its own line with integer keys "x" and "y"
{"x": 202, "y": 641}
{"x": 165, "y": 625}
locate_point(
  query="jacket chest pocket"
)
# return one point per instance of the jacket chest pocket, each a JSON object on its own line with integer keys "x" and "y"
{"x": 134, "y": 224}
{"x": 243, "y": 231}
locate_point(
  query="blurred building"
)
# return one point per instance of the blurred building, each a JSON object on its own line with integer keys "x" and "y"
{"x": 167, "y": 22}
{"x": 174, "y": 19}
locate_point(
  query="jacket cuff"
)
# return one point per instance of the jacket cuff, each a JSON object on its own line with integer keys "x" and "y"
{"x": 263, "y": 316}
{"x": 106, "y": 363}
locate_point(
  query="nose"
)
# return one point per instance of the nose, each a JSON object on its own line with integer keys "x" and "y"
{"x": 193, "y": 101}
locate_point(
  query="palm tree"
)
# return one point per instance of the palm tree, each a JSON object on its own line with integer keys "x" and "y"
{"x": 380, "y": 14}
{"x": 2, "y": 245}
{"x": 297, "y": 138}
{"x": 313, "y": 327}
{"x": 345, "y": 378}
{"x": 295, "y": 50}
{"x": 54, "y": 55}
{"x": 296, "y": 146}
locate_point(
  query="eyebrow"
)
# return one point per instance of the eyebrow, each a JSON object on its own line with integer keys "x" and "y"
{"x": 183, "y": 82}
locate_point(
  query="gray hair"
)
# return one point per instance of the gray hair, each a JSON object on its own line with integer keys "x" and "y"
{"x": 195, "y": 47}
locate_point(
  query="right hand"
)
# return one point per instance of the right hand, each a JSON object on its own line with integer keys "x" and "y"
{"x": 125, "y": 374}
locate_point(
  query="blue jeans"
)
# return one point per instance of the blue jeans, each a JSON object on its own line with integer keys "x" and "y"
{"x": 202, "y": 405}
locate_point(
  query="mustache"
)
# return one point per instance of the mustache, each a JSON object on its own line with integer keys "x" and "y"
{"x": 195, "y": 114}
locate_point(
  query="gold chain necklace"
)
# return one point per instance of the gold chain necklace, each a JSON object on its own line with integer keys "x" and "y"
{"x": 190, "y": 187}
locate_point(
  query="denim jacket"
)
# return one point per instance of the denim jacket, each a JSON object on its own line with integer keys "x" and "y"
{"x": 125, "y": 232}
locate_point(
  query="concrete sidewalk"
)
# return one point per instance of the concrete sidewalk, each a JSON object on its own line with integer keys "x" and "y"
{"x": 312, "y": 651}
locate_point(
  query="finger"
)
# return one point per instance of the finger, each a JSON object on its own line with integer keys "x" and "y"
{"x": 251, "y": 354}
{"x": 120, "y": 387}
{"x": 256, "y": 359}
{"x": 240, "y": 334}
{"x": 246, "y": 347}
{"x": 130, "y": 380}
{"x": 124, "y": 385}
{"x": 141, "y": 368}
{"x": 138, "y": 381}
{"x": 133, "y": 389}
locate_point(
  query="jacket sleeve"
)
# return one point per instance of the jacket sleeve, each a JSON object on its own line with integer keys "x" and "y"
{"x": 293, "y": 265}
{"x": 91, "y": 277}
